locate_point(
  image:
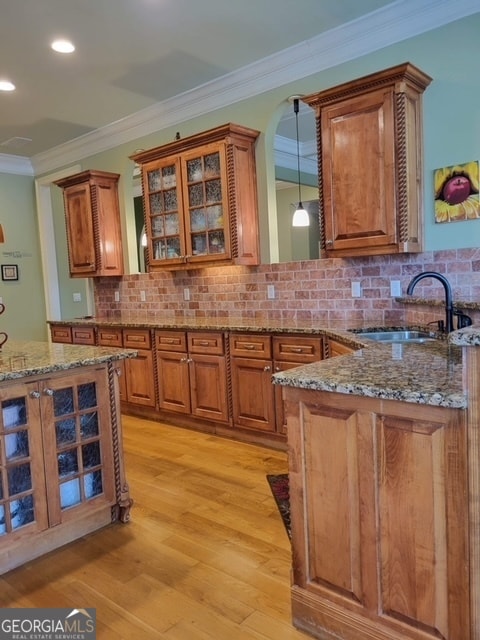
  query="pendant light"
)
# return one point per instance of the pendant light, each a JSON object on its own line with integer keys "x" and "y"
{"x": 300, "y": 216}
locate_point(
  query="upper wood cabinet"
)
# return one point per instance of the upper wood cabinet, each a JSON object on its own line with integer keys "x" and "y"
{"x": 200, "y": 200}
{"x": 92, "y": 218}
{"x": 369, "y": 134}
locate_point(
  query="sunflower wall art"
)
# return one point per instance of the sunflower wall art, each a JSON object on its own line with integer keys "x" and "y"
{"x": 456, "y": 193}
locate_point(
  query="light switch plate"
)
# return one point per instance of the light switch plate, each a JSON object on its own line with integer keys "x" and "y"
{"x": 77, "y": 297}
{"x": 143, "y": 297}
{"x": 271, "y": 291}
{"x": 117, "y": 296}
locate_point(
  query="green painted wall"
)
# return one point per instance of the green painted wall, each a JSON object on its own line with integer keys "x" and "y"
{"x": 24, "y": 315}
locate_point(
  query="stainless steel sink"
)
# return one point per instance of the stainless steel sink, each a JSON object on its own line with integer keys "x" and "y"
{"x": 397, "y": 336}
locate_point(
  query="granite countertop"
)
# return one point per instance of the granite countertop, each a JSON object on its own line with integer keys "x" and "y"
{"x": 22, "y": 358}
{"x": 427, "y": 373}
{"x": 227, "y": 323}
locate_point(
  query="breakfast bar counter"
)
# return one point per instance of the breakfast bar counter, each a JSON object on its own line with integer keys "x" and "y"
{"x": 384, "y": 491}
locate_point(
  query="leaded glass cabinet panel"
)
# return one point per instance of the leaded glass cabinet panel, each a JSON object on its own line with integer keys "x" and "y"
{"x": 22, "y": 488}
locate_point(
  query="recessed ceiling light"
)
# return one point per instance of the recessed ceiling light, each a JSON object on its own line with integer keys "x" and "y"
{"x": 63, "y": 46}
{"x": 6, "y": 85}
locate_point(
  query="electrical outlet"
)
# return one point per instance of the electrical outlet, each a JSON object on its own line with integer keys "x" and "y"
{"x": 143, "y": 297}
{"x": 117, "y": 296}
{"x": 356, "y": 290}
{"x": 271, "y": 291}
{"x": 186, "y": 294}
{"x": 395, "y": 288}
{"x": 77, "y": 297}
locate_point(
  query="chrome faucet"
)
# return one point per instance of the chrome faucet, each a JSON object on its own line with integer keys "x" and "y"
{"x": 448, "y": 294}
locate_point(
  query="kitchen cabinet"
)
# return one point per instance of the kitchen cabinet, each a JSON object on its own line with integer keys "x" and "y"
{"x": 252, "y": 390}
{"x": 383, "y": 485}
{"x": 113, "y": 337}
{"x": 257, "y": 404}
{"x": 192, "y": 373}
{"x": 369, "y": 134}
{"x": 334, "y": 348}
{"x": 57, "y": 470}
{"x": 92, "y": 217}
{"x": 137, "y": 375}
{"x": 288, "y": 352}
{"x": 139, "y": 371}
{"x": 200, "y": 200}
{"x": 74, "y": 334}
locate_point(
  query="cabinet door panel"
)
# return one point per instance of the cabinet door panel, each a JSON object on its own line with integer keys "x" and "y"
{"x": 253, "y": 397}
{"x": 173, "y": 382}
{"x": 75, "y": 413}
{"x": 208, "y": 384}
{"x": 80, "y": 229}
{"x": 139, "y": 379}
{"x": 22, "y": 486}
{"x": 359, "y": 178}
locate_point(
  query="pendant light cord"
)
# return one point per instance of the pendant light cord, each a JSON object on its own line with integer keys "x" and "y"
{"x": 295, "y": 108}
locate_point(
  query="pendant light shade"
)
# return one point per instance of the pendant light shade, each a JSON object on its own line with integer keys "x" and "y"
{"x": 300, "y": 216}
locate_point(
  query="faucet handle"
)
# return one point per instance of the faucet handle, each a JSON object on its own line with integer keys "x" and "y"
{"x": 462, "y": 319}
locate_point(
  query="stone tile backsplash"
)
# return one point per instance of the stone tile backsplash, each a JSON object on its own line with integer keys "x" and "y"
{"x": 314, "y": 291}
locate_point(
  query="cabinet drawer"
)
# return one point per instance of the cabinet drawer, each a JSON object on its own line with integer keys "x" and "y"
{"x": 171, "y": 341}
{"x": 61, "y": 334}
{"x": 250, "y": 345}
{"x": 297, "y": 349}
{"x": 137, "y": 339}
{"x": 206, "y": 342}
{"x": 83, "y": 335}
{"x": 109, "y": 337}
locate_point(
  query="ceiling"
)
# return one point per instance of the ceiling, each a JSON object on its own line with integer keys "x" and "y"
{"x": 134, "y": 54}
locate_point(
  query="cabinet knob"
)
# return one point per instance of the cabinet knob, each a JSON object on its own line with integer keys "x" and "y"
{"x": 184, "y": 359}
{"x": 48, "y": 392}
{"x": 329, "y": 242}
{"x": 34, "y": 394}
{"x": 267, "y": 367}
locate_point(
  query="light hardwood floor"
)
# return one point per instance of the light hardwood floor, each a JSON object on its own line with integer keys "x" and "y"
{"x": 204, "y": 557}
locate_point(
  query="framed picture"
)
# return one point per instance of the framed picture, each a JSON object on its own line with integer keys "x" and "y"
{"x": 9, "y": 272}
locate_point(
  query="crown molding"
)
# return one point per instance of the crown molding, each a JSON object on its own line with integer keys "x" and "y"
{"x": 17, "y": 165}
{"x": 398, "y": 21}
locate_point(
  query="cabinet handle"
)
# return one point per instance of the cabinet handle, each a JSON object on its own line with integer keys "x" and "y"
{"x": 184, "y": 359}
{"x": 34, "y": 394}
{"x": 250, "y": 346}
{"x": 267, "y": 367}
{"x": 118, "y": 371}
{"x": 297, "y": 350}
{"x": 48, "y": 392}
{"x": 204, "y": 343}
{"x": 329, "y": 242}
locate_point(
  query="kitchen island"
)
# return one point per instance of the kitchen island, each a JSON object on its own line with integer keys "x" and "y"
{"x": 61, "y": 455}
{"x": 384, "y": 489}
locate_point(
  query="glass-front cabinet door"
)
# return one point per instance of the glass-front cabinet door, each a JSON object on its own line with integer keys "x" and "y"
{"x": 77, "y": 442}
{"x": 162, "y": 185}
{"x": 206, "y": 206}
{"x": 55, "y": 450}
{"x": 23, "y": 505}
